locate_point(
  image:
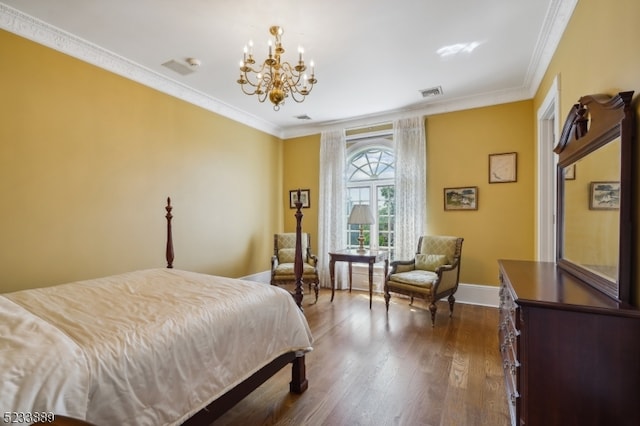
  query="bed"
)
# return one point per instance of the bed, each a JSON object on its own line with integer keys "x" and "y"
{"x": 151, "y": 347}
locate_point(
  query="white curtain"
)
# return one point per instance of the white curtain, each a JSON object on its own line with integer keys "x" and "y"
{"x": 411, "y": 181}
{"x": 331, "y": 215}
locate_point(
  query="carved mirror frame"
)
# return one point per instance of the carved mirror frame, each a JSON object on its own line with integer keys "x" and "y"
{"x": 591, "y": 124}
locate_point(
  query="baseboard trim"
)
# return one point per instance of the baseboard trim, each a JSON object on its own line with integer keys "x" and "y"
{"x": 472, "y": 294}
{"x": 476, "y": 294}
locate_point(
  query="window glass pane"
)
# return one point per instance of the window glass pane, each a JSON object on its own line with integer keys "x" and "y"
{"x": 374, "y": 163}
{"x": 386, "y": 217}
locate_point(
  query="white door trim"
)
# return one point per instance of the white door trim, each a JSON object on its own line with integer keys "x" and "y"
{"x": 548, "y": 132}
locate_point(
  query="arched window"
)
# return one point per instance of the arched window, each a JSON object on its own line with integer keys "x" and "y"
{"x": 370, "y": 180}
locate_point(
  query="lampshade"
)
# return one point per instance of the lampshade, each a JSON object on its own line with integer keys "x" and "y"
{"x": 361, "y": 215}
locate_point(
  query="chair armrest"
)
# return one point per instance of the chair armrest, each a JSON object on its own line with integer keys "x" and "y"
{"x": 447, "y": 277}
{"x": 402, "y": 266}
{"x": 274, "y": 262}
{"x": 312, "y": 260}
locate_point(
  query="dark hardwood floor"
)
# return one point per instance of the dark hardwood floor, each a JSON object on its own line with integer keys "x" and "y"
{"x": 368, "y": 368}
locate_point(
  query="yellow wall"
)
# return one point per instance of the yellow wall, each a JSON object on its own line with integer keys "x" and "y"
{"x": 302, "y": 170}
{"x": 87, "y": 159}
{"x": 597, "y": 54}
{"x": 457, "y": 155}
{"x": 458, "y": 148}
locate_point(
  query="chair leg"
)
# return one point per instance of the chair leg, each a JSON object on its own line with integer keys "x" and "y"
{"x": 316, "y": 286}
{"x": 452, "y": 300}
{"x": 387, "y": 297}
{"x": 433, "y": 308}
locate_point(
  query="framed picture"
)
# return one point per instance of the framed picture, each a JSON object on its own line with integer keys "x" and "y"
{"x": 304, "y": 198}
{"x": 503, "y": 167}
{"x": 465, "y": 198}
{"x": 604, "y": 195}
{"x": 570, "y": 172}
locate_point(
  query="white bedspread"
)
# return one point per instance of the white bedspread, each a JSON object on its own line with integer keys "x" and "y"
{"x": 149, "y": 347}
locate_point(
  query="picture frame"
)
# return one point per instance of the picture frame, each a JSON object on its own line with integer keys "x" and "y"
{"x": 570, "y": 172}
{"x": 503, "y": 167}
{"x": 462, "y": 198}
{"x": 604, "y": 195}
{"x": 304, "y": 198}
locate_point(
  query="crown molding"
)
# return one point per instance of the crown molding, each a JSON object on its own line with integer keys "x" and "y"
{"x": 38, "y": 31}
{"x": 556, "y": 20}
{"x": 558, "y": 16}
{"x": 14, "y": 21}
{"x": 451, "y": 105}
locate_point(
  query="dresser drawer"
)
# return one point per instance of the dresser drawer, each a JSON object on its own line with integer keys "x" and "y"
{"x": 509, "y": 340}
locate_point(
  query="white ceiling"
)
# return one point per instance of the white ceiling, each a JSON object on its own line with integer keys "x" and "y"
{"x": 372, "y": 56}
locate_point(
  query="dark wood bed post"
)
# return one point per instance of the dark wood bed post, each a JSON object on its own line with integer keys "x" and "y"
{"x": 299, "y": 382}
{"x": 298, "y": 268}
{"x": 169, "y": 253}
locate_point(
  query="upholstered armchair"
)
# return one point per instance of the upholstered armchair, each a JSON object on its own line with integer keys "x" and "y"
{"x": 431, "y": 275}
{"x": 282, "y": 261}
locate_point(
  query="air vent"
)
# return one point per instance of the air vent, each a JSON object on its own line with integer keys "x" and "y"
{"x": 179, "y": 67}
{"x": 431, "y": 92}
{"x": 303, "y": 117}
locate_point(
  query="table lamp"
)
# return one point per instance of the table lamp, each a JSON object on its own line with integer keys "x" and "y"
{"x": 361, "y": 215}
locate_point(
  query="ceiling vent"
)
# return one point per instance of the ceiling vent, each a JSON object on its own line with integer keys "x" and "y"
{"x": 303, "y": 117}
{"x": 182, "y": 68}
{"x": 431, "y": 92}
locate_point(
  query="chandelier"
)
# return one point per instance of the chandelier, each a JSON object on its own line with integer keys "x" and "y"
{"x": 275, "y": 78}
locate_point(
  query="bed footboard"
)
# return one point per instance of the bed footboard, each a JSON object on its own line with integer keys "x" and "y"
{"x": 298, "y": 268}
{"x": 227, "y": 401}
{"x": 299, "y": 382}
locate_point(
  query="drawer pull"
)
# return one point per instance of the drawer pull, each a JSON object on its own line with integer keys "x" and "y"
{"x": 513, "y": 397}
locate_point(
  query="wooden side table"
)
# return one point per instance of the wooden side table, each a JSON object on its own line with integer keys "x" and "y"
{"x": 356, "y": 256}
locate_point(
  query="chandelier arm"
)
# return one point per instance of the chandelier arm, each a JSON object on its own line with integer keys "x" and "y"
{"x": 256, "y": 91}
{"x": 294, "y": 96}
{"x": 249, "y": 82}
{"x": 242, "y": 86}
{"x": 291, "y": 71}
{"x": 292, "y": 85}
{"x": 249, "y": 72}
{"x": 294, "y": 81}
{"x": 302, "y": 89}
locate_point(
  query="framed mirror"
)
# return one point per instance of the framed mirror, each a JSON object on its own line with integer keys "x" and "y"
{"x": 594, "y": 178}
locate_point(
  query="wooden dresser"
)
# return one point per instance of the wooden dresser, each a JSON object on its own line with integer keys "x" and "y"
{"x": 571, "y": 355}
